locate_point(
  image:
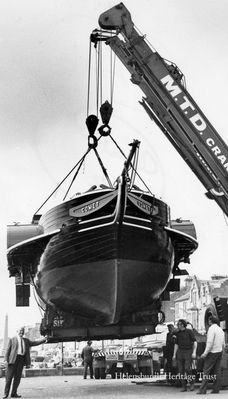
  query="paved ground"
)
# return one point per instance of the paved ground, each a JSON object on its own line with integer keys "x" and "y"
{"x": 70, "y": 387}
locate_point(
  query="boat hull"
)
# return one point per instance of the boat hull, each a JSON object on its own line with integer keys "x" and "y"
{"x": 104, "y": 257}
{"x": 106, "y": 273}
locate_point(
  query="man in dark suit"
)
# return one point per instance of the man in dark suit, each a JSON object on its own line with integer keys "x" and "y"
{"x": 87, "y": 356}
{"x": 17, "y": 356}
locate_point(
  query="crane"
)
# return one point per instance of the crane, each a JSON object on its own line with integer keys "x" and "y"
{"x": 168, "y": 103}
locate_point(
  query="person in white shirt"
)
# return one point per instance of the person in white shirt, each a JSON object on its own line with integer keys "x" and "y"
{"x": 212, "y": 356}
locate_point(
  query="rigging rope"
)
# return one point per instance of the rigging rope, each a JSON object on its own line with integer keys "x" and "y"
{"x": 100, "y": 72}
{"x": 68, "y": 174}
{"x": 143, "y": 182}
{"x": 112, "y": 74}
{"x": 99, "y": 95}
{"x": 75, "y": 175}
{"x": 89, "y": 77}
{"x": 97, "y": 75}
{"x": 103, "y": 168}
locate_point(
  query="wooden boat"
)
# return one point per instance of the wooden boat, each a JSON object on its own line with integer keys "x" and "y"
{"x": 105, "y": 254}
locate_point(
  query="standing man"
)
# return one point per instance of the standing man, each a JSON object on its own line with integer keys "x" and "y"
{"x": 184, "y": 351}
{"x": 17, "y": 356}
{"x": 87, "y": 356}
{"x": 212, "y": 356}
{"x": 169, "y": 349}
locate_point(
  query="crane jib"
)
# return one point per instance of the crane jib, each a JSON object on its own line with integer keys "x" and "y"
{"x": 169, "y": 104}
{"x": 199, "y": 123}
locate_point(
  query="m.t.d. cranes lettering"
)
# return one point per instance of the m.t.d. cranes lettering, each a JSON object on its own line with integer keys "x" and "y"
{"x": 195, "y": 118}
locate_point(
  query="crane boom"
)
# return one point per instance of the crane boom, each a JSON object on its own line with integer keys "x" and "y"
{"x": 169, "y": 104}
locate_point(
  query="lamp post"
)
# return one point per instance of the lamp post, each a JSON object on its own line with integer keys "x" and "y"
{"x": 62, "y": 349}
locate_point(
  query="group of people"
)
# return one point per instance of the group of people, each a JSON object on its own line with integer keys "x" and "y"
{"x": 181, "y": 351}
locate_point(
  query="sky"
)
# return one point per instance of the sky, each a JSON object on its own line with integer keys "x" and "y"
{"x": 44, "y": 46}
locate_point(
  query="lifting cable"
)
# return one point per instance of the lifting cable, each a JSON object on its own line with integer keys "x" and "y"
{"x": 137, "y": 174}
{"x": 89, "y": 77}
{"x": 99, "y": 77}
{"x": 112, "y": 74}
{"x": 93, "y": 140}
{"x": 53, "y": 192}
{"x": 98, "y": 47}
{"x": 75, "y": 175}
{"x": 103, "y": 168}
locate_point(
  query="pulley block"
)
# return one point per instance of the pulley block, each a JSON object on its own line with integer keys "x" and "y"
{"x": 104, "y": 130}
{"x": 92, "y": 141}
{"x": 106, "y": 112}
{"x": 91, "y": 123}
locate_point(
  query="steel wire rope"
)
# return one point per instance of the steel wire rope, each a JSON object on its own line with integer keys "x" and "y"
{"x": 112, "y": 74}
{"x": 99, "y": 91}
{"x": 100, "y": 72}
{"x": 97, "y": 83}
{"x": 104, "y": 170}
{"x": 88, "y": 102}
{"x": 68, "y": 174}
{"x": 121, "y": 151}
{"x": 89, "y": 77}
{"x": 75, "y": 175}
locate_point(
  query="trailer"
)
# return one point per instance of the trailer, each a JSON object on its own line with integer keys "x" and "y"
{"x": 123, "y": 364}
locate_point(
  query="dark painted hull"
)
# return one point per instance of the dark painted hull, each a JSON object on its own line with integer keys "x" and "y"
{"x": 103, "y": 256}
{"x": 105, "y": 274}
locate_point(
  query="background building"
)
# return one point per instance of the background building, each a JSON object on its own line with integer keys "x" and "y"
{"x": 195, "y": 297}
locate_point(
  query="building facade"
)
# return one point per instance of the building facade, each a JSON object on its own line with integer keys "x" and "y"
{"x": 198, "y": 295}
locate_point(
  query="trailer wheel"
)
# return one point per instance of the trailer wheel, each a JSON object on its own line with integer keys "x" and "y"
{"x": 97, "y": 373}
